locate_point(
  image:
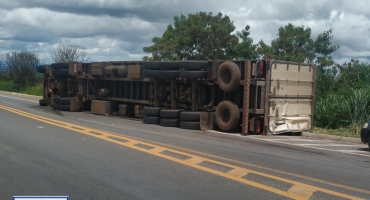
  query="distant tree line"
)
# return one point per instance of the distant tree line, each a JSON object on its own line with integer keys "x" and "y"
{"x": 22, "y": 65}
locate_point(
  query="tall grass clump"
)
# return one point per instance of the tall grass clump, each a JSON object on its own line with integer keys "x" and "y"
{"x": 355, "y": 108}
{"x": 328, "y": 113}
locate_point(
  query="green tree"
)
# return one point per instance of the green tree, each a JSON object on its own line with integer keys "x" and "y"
{"x": 294, "y": 43}
{"x": 201, "y": 36}
{"x": 245, "y": 49}
{"x": 22, "y": 67}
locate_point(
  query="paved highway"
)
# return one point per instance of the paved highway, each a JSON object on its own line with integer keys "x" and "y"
{"x": 85, "y": 156}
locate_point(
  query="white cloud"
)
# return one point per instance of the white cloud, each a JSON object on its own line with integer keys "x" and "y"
{"x": 118, "y": 30}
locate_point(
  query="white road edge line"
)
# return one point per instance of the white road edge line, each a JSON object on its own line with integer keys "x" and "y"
{"x": 269, "y": 140}
{"x": 18, "y": 98}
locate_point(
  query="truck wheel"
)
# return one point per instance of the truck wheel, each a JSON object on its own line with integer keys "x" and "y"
{"x": 193, "y": 74}
{"x": 64, "y": 101}
{"x": 43, "y": 102}
{"x": 368, "y": 143}
{"x": 169, "y": 122}
{"x": 65, "y": 107}
{"x": 168, "y": 74}
{"x": 193, "y": 65}
{"x": 190, "y": 116}
{"x": 190, "y": 125}
{"x": 41, "y": 68}
{"x": 59, "y": 66}
{"x": 227, "y": 115}
{"x": 172, "y": 65}
{"x": 150, "y": 73}
{"x": 151, "y": 111}
{"x": 228, "y": 76}
{"x": 55, "y": 106}
{"x": 151, "y": 120}
{"x": 170, "y": 114}
{"x": 56, "y": 100}
{"x": 60, "y": 72}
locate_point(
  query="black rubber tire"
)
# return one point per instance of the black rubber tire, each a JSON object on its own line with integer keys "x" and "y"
{"x": 64, "y": 101}
{"x": 151, "y": 111}
{"x": 41, "y": 68}
{"x": 56, "y": 106}
{"x": 193, "y": 65}
{"x": 151, "y": 120}
{"x": 365, "y": 135}
{"x": 190, "y": 125}
{"x": 43, "y": 102}
{"x": 368, "y": 143}
{"x": 60, "y": 72}
{"x": 193, "y": 74}
{"x": 227, "y": 115}
{"x": 59, "y": 66}
{"x": 170, "y": 65}
{"x": 228, "y": 76}
{"x": 170, "y": 114}
{"x": 169, "y": 122}
{"x": 150, "y": 73}
{"x": 56, "y": 100}
{"x": 65, "y": 107}
{"x": 168, "y": 74}
{"x": 190, "y": 116}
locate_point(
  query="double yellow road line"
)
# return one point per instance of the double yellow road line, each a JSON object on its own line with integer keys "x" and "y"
{"x": 297, "y": 190}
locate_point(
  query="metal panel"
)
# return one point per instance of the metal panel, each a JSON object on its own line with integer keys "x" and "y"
{"x": 291, "y": 97}
{"x": 97, "y": 68}
{"x": 134, "y": 71}
{"x": 289, "y": 79}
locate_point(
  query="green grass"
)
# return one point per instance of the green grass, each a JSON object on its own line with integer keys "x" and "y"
{"x": 344, "y": 132}
{"x": 33, "y": 90}
{"x": 9, "y": 86}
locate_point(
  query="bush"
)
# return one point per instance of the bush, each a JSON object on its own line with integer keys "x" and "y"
{"x": 328, "y": 113}
{"x": 355, "y": 108}
{"x": 347, "y": 109}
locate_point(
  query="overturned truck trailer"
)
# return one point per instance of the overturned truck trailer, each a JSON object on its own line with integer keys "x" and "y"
{"x": 247, "y": 96}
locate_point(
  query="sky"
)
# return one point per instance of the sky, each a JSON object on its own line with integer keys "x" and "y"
{"x": 119, "y": 29}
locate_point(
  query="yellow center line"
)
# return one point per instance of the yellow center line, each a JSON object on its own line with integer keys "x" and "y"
{"x": 256, "y": 166}
{"x": 235, "y": 173}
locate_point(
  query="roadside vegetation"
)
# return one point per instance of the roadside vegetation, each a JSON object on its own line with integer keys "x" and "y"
{"x": 7, "y": 84}
{"x": 342, "y": 89}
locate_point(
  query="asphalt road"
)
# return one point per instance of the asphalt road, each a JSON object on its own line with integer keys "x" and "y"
{"x": 85, "y": 156}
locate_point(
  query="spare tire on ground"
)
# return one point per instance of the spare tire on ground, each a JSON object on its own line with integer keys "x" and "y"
{"x": 227, "y": 115}
{"x": 151, "y": 120}
{"x": 56, "y": 100}
{"x": 56, "y": 106}
{"x": 64, "y": 107}
{"x": 169, "y": 122}
{"x": 228, "y": 76}
{"x": 190, "y": 125}
{"x": 64, "y": 101}
{"x": 151, "y": 111}
{"x": 43, "y": 102}
{"x": 170, "y": 114}
{"x": 190, "y": 116}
